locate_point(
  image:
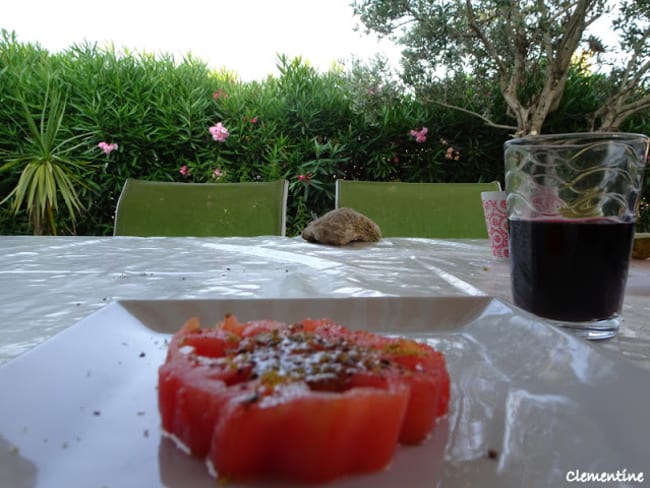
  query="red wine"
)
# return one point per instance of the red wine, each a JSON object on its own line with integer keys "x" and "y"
{"x": 570, "y": 270}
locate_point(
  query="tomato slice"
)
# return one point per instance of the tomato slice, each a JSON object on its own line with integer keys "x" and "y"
{"x": 303, "y": 402}
{"x": 307, "y": 436}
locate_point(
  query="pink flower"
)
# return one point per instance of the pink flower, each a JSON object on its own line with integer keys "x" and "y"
{"x": 420, "y": 135}
{"x": 107, "y": 148}
{"x": 219, "y": 132}
{"x": 254, "y": 120}
{"x": 305, "y": 178}
{"x": 185, "y": 171}
{"x": 452, "y": 154}
{"x": 219, "y": 94}
{"x": 216, "y": 174}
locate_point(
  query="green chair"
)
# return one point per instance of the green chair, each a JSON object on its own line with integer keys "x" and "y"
{"x": 156, "y": 208}
{"x": 445, "y": 210}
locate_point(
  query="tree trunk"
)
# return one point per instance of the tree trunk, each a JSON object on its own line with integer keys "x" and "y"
{"x": 37, "y": 223}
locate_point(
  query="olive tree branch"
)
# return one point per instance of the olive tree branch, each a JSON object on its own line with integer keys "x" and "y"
{"x": 485, "y": 119}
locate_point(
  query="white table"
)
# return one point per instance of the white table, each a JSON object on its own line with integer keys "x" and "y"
{"x": 49, "y": 283}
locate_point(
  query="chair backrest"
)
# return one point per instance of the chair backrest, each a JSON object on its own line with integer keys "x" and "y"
{"x": 445, "y": 210}
{"x": 157, "y": 208}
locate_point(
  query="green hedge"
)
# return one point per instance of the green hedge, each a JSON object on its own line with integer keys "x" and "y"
{"x": 305, "y": 126}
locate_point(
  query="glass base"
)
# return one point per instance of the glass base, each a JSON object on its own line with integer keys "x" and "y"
{"x": 593, "y": 330}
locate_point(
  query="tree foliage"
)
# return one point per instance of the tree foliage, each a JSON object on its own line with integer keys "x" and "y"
{"x": 629, "y": 74}
{"x": 307, "y": 127}
{"x": 527, "y": 47}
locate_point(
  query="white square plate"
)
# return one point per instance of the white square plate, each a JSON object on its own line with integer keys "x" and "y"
{"x": 531, "y": 405}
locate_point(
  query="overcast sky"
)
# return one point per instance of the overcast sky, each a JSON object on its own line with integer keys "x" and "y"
{"x": 241, "y": 35}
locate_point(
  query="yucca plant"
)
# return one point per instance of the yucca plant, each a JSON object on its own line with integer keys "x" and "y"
{"x": 48, "y": 171}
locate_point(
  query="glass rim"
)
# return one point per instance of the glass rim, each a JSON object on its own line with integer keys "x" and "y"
{"x": 580, "y": 137}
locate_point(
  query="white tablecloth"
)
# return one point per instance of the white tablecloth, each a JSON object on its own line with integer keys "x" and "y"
{"x": 49, "y": 283}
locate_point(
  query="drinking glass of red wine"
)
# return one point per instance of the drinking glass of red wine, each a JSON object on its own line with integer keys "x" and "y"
{"x": 572, "y": 204}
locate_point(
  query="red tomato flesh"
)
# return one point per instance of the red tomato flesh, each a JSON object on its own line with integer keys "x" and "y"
{"x": 305, "y": 402}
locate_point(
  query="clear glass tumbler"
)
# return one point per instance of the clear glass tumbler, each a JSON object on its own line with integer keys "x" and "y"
{"x": 572, "y": 205}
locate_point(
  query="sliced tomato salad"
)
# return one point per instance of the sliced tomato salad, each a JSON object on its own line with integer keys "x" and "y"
{"x": 303, "y": 402}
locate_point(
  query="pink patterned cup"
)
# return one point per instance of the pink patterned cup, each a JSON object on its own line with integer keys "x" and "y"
{"x": 496, "y": 220}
